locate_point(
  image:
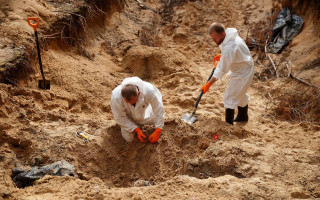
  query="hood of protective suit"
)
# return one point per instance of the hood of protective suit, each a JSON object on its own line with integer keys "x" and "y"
{"x": 235, "y": 57}
{"x": 231, "y": 34}
{"x": 134, "y": 81}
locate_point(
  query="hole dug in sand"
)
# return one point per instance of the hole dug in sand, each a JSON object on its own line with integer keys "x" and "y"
{"x": 181, "y": 150}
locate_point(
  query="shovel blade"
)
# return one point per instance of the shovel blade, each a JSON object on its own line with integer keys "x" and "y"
{"x": 45, "y": 85}
{"x": 188, "y": 118}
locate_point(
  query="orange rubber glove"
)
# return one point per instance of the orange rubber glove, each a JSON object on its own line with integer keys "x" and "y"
{"x": 206, "y": 87}
{"x": 154, "y": 137}
{"x": 140, "y": 135}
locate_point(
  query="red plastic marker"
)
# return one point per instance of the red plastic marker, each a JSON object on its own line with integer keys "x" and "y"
{"x": 215, "y": 137}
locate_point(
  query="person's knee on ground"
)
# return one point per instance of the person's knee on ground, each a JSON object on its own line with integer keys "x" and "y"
{"x": 229, "y": 115}
{"x": 128, "y": 136}
{"x": 242, "y": 115}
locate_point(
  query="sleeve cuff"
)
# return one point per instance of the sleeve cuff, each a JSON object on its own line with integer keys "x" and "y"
{"x": 218, "y": 74}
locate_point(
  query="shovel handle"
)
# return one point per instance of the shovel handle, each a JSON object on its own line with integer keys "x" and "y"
{"x": 216, "y": 58}
{"x": 34, "y": 25}
{"x": 211, "y": 74}
{"x": 196, "y": 106}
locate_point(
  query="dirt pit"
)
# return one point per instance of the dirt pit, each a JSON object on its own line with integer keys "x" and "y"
{"x": 175, "y": 155}
{"x": 122, "y": 164}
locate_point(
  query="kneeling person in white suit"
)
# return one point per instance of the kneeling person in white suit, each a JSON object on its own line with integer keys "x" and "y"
{"x": 136, "y": 102}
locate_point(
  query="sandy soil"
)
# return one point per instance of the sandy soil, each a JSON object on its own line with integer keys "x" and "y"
{"x": 275, "y": 155}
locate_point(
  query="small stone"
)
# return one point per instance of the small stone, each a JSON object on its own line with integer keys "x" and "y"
{"x": 204, "y": 145}
{"x": 96, "y": 188}
{"x": 141, "y": 183}
{"x": 300, "y": 195}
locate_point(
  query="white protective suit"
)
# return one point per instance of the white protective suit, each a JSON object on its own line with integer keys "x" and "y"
{"x": 236, "y": 57}
{"x": 148, "y": 109}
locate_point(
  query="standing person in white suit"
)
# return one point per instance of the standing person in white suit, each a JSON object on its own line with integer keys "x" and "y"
{"x": 136, "y": 102}
{"x": 235, "y": 57}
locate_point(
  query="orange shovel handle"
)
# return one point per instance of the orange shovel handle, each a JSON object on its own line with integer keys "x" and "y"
{"x": 33, "y": 25}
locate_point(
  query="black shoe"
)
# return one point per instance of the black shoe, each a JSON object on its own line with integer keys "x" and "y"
{"x": 229, "y": 115}
{"x": 242, "y": 114}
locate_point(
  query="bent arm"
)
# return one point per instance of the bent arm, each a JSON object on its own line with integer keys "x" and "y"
{"x": 155, "y": 99}
{"x": 120, "y": 116}
{"x": 227, "y": 57}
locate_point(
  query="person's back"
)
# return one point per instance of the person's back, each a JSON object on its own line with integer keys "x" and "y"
{"x": 238, "y": 53}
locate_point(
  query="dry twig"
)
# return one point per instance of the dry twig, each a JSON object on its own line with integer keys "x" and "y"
{"x": 146, "y": 7}
{"x": 289, "y": 70}
{"x": 303, "y": 81}
{"x": 265, "y": 51}
{"x": 299, "y": 79}
{"x": 274, "y": 66}
{"x": 269, "y": 57}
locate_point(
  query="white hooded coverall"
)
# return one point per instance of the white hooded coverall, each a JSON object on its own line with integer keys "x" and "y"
{"x": 236, "y": 57}
{"x": 147, "y": 110}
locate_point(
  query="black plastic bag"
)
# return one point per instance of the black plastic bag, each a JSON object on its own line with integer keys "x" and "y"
{"x": 287, "y": 26}
{"x": 26, "y": 178}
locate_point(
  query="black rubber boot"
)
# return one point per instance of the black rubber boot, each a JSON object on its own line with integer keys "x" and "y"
{"x": 229, "y": 115}
{"x": 242, "y": 114}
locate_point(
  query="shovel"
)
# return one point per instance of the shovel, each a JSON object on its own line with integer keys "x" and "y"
{"x": 43, "y": 84}
{"x": 190, "y": 118}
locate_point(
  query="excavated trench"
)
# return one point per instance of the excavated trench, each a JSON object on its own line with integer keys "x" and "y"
{"x": 176, "y": 154}
{"x": 120, "y": 164}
